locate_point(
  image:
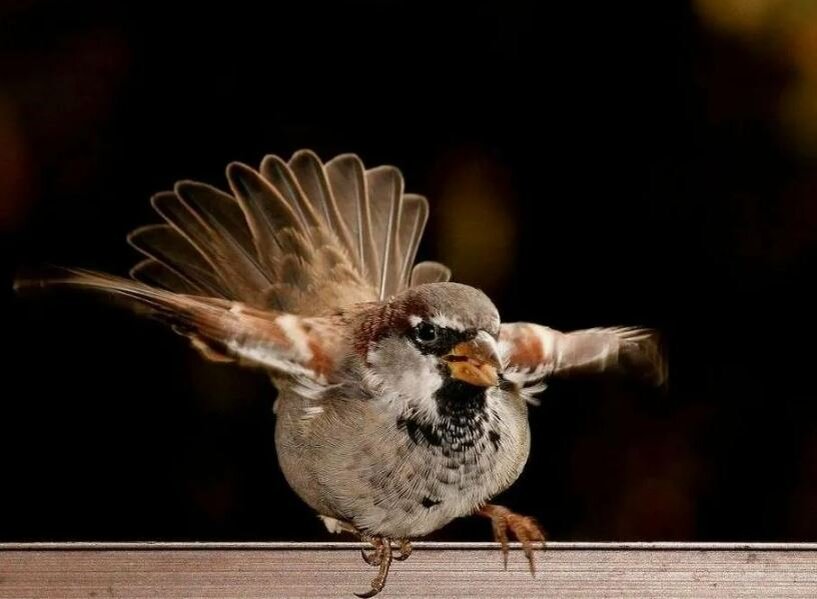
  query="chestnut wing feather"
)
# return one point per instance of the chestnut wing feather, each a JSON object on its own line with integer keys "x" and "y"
{"x": 285, "y": 344}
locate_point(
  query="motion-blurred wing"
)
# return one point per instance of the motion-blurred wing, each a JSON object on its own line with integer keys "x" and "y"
{"x": 533, "y": 351}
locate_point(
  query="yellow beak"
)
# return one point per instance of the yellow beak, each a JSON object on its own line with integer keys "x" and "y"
{"x": 476, "y": 361}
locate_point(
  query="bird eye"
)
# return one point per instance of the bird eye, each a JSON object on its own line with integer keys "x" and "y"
{"x": 425, "y": 332}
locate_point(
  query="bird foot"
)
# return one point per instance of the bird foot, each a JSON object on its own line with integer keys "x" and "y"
{"x": 524, "y": 528}
{"x": 374, "y": 555}
{"x": 381, "y": 556}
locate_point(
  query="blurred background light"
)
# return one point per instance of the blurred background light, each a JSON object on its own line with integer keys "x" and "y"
{"x": 786, "y": 31}
{"x": 476, "y": 218}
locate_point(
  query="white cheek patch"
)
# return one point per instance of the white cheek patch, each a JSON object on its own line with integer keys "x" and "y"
{"x": 405, "y": 373}
{"x": 420, "y": 385}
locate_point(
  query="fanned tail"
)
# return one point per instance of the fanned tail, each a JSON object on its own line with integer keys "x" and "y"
{"x": 298, "y": 236}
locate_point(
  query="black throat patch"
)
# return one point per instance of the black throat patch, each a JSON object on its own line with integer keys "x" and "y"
{"x": 461, "y": 423}
{"x": 457, "y": 399}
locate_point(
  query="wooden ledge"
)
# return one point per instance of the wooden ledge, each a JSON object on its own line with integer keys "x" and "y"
{"x": 256, "y": 570}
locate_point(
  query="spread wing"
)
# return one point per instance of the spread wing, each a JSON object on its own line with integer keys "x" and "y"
{"x": 287, "y": 345}
{"x": 297, "y": 236}
{"x": 534, "y": 351}
{"x": 245, "y": 274}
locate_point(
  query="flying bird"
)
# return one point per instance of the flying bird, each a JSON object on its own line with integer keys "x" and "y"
{"x": 402, "y": 397}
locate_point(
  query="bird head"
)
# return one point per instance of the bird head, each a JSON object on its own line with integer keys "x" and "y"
{"x": 433, "y": 346}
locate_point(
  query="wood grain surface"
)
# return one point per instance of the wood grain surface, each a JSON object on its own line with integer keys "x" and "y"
{"x": 255, "y": 570}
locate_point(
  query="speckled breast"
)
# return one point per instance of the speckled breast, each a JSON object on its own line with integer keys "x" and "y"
{"x": 400, "y": 477}
{"x": 435, "y": 473}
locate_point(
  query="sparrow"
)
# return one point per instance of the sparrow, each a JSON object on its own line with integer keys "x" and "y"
{"x": 402, "y": 398}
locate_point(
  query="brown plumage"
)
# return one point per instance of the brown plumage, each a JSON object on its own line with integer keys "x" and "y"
{"x": 402, "y": 399}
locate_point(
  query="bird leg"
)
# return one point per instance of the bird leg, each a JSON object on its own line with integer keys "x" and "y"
{"x": 382, "y": 557}
{"x": 526, "y": 529}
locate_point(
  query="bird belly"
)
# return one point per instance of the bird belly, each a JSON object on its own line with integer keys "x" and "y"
{"x": 426, "y": 487}
{"x": 392, "y": 481}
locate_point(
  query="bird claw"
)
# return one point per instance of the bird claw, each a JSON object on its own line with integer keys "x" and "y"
{"x": 405, "y": 551}
{"x": 380, "y": 556}
{"x": 524, "y": 528}
{"x": 370, "y": 558}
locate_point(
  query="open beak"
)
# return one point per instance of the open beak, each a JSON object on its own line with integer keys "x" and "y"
{"x": 475, "y": 362}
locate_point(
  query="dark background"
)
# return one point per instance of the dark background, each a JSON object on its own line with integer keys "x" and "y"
{"x": 587, "y": 164}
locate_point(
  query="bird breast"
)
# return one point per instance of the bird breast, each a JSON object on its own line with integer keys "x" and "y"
{"x": 399, "y": 476}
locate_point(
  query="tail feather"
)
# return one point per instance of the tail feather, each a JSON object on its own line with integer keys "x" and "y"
{"x": 313, "y": 181}
{"x": 301, "y": 236}
{"x": 385, "y": 196}
{"x": 266, "y": 212}
{"x": 153, "y": 273}
{"x": 347, "y": 178}
{"x": 412, "y": 222}
{"x": 194, "y": 211}
{"x": 166, "y": 246}
{"x": 278, "y": 174}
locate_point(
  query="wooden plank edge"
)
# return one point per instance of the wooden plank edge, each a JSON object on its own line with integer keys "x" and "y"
{"x": 317, "y": 546}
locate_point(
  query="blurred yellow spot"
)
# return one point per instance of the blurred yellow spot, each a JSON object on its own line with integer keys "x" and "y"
{"x": 476, "y": 210}
{"x": 798, "y": 114}
{"x": 787, "y": 30}
{"x": 802, "y": 46}
{"x": 737, "y": 16}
